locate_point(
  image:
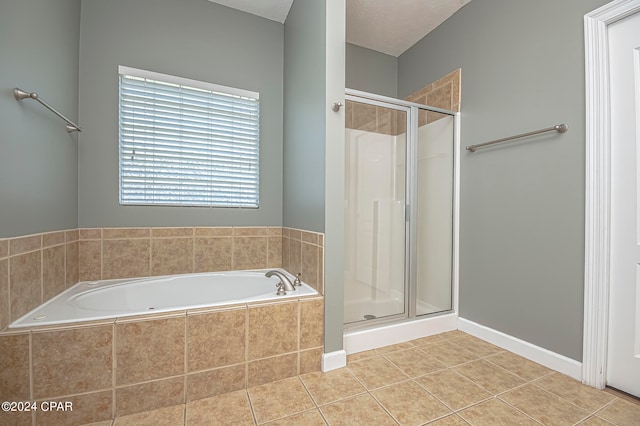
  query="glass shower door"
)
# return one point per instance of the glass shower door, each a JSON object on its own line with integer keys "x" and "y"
{"x": 434, "y": 165}
{"x": 375, "y": 199}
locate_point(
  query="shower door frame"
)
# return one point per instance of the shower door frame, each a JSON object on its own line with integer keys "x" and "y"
{"x": 411, "y": 208}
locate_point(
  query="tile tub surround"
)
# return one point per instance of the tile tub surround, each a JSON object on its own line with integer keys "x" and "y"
{"x": 107, "y": 253}
{"x": 439, "y": 394}
{"x": 35, "y": 268}
{"x": 129, "y": 366}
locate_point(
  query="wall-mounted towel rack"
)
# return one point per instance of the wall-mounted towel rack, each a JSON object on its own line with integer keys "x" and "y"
{"x": 20, "y": 94}
{"x": 560, "y": 128}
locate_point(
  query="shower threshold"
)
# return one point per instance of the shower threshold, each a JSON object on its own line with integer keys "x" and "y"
{"x": 364, "y": 339}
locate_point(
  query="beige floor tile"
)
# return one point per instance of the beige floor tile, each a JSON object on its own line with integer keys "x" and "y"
{"x": 476, "y": 346}
{"x": 105, "y": 423}
{"x": 595, "y": 421}
{"x": 491, "y": 377}
{"x": 376, "y": 372}
{"x": 453, "y": 389}
{"x": 452, "y": 420}
{"x": 279, "y": 399}
{"x": 429, "y": 340}
{"x": 361, "y": 355}
{"x": 495, "y": 413}
{"x": 544, "y": 406}
{"x": 449, "y": 353}
{"x": 410, "y": 404}
{"x": 332, "y": 386}
{"x": 414, "y": 362}
{"x": 393, "y": 348}
{"x": 308, "y": 418}
{"x": 453, "y": 334}
{"x": 170, "y": 416}
{"x": 583, "y": 396}
{"x": 518, "y": 365}
{"x": 226, "y": 409}
{"x": 359, "y": 410}
{"x": 622, "y": 413}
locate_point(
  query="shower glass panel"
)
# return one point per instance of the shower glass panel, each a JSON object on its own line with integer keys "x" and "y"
{"x": 375, "y": 199}
{"x": 399, "y": 210}
{"x": 434, "y": 218}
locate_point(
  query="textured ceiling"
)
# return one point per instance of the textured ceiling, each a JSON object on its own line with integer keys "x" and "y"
{"x": 387, "y": 26}
{"x": 276, "y": 10}
{"x": 393, "y": 26}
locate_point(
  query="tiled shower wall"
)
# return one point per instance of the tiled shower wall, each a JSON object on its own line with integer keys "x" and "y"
{"x": 35, "y": 268}
{"x": 444, "y": 93}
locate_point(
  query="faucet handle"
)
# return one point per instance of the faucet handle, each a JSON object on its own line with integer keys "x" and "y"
{"x": 280, "y": 291}
{"x": 297, "y": 280}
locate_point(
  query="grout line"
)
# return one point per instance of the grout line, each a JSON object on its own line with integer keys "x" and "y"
{"x": 41, "y": 274}
{"x": 246, "y": 348}
{"x": 186, "y": 357}
{"x": 8, "y": 305}
{"x": 114, "y": 366}
{"x": 31, "y": 380}
{"x": 253, "y": 413}
{"x": 518, "y": 410}
{"x": 193, "y": 251}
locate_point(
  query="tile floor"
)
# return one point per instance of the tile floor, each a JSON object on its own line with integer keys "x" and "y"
{"x": 447, "y": 379}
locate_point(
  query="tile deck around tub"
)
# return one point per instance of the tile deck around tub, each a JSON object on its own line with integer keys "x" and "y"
{"x": 413, "y": 383}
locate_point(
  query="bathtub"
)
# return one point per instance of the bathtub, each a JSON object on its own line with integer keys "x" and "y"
{"x": 107, "y": 299}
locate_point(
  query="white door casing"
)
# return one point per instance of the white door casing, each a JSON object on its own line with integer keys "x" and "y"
{"x": 623, "y": 358}
{"x": 598, "y": 188}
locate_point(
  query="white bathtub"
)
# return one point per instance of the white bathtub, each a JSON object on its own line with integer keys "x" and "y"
{"x": 96, "y": 300}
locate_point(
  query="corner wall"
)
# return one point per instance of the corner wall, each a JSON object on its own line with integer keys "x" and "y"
{"x": 371, "y": 71}
{"x": 39, "y": 42}
{"x": 522, "y": 204}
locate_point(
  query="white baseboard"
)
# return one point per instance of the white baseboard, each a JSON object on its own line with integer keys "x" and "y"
{"x": 363, "y": 340}
{"x": 552, "y": 360}
{"x": 334, "y": 360}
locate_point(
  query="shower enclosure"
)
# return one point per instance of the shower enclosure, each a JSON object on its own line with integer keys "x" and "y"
{"x": 399, "y": 210}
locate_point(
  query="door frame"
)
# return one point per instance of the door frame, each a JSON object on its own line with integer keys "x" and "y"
{"x": 598, "y": 189}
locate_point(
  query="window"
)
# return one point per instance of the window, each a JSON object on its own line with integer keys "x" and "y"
{"x": 187, "y": 143}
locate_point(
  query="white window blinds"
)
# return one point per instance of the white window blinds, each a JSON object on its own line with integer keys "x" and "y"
{"x": 188, "y": 143}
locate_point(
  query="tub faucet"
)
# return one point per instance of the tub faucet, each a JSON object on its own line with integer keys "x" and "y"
{"x": 284, "y": 284}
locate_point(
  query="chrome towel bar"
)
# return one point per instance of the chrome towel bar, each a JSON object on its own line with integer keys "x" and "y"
{"x": 20, "y": 94}
{"x": 560, "y": 128}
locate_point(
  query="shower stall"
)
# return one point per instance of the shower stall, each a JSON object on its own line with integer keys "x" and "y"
{"x": 400, "y": 216}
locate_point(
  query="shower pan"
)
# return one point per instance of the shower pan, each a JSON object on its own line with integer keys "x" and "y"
{"x": 400, "y": 215}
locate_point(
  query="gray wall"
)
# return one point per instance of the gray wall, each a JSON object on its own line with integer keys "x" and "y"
{"x": 189, "y": 38}
{"x": 522, "y": 204}
{"x": 38, "y": 158}
{"x": 304, "y": 116}
{"x": 371, "y": 71}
